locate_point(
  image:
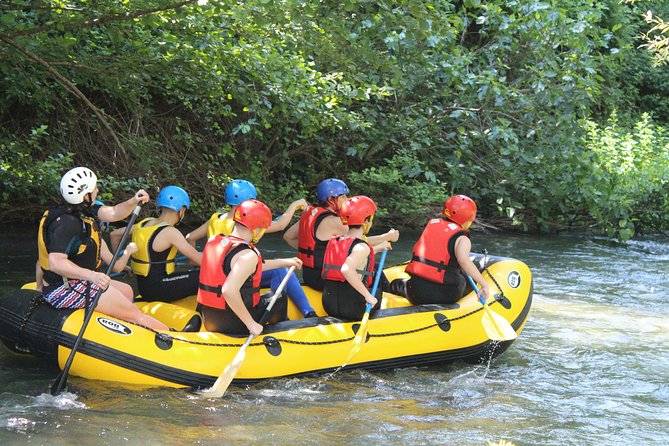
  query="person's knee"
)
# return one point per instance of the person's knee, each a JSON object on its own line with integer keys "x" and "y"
{"x": 125, "y": 290}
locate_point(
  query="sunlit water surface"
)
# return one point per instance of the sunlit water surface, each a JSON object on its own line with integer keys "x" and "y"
{"x": 590, "y": 368}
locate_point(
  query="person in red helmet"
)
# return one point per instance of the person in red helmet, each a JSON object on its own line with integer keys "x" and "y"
{"x": 441, "y": 256}
{"x": 231, "y": 272}
{"x": 318, "y": 224}
{"x": 348, "y": 264}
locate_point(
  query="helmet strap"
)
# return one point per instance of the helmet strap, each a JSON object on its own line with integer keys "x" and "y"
{"x": 333, "y": 203}
{"x": 367, "y": 225}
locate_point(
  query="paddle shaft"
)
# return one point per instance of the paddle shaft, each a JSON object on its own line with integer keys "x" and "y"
{"x": 229, "y": 372}
{"x": 362, "y": 330}
{"x": 61, "y": 379}
{"x": 501, "y": 329}
{"x": 377, "y": 278}
{"x": 279, "y": 290}
{"x": 476, "y": 290}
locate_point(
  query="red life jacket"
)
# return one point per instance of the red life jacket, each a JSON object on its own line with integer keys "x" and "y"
{"x": 311, "y": 250}
{"x": 338, "y": 249}
{"x": 433, "y": 254}
{"x": 215, "y": 268}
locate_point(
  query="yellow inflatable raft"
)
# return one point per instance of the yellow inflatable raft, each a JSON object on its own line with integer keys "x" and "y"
{"x": 399, "y": 335}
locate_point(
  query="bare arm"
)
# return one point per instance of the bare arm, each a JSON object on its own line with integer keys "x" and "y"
{"x": 176, "y": 238}
{"x": 122, "y": 259}
{"x": 284, "y": 220}
{"x": 122, "y": 210}
{"x": 463, "y": 247}
{"x": 243, "y": 265}
{"x": 199, "y": 233}
{"x": 391, "y": 236}
{"x": 292, "y": 235}
{"x": 330, "y": 226}
{"x": 356, "y": 260}
{"x": 116, "y": 235}
{"x": 61, "y": 265}
{"x": 39, "y": 277}
{"x": 269, "y": 264}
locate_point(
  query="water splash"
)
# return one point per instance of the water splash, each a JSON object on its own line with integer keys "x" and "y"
{"x": 63, "y": 401}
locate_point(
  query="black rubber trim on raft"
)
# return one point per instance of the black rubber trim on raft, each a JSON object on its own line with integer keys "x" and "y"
{"x": 472, "y": 354}
{"x": 137, "y": 364}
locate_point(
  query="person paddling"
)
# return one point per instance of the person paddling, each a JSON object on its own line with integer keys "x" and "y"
{"x": 236, "y": 192}
{"x": 105, "y": 215}
{"x": 318, "y": 224}
{"x": 441, "y": 256}
{"x": 71, "y": 252}
{"x": 158, "y": 241}
{"x": 348, "y": 263}
{"x": 230, "y": 276}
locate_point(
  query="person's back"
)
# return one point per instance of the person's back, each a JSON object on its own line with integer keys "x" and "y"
{"x": 71, "y": 251}
{"x": 440, "y": 257}
{"x": 236, "y": 192}
{"x": 348, "y": 265}
{"x": 231, "y": 274}
{"x": 158, "y": 241}
{"x": 317, "y": 225}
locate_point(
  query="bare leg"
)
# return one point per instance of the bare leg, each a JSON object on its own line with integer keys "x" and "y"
{"x": 114, "y": 303}
{"x": 125, "y": 289}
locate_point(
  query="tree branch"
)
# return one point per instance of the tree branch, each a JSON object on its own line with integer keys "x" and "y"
{"x": 70, "y": 87}
{"x": 99, "y": 21}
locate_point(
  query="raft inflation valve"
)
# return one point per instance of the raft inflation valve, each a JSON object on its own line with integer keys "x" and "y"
{"x": 272, "y": 345}
{"x": 442, "y": 321}
{"x": 502, "y": 299}
{"x": 163, "y": 341}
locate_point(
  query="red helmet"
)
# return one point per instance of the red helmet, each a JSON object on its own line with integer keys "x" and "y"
{"x": 356, "y": 209}
{"x": 461, "y": 209}
{"x": 253, "y": 214}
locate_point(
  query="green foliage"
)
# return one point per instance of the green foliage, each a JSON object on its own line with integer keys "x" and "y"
{"x": 633, "y": 167}
{"x": 27, "y": 183}
{"x": 408, "y": 101}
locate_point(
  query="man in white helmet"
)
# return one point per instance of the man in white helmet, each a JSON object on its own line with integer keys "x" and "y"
{"x": 105, "y": 214}
{"x": 71, "y": 251}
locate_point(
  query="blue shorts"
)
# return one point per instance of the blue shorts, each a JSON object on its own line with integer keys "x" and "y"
{"x": 72, "y": 295}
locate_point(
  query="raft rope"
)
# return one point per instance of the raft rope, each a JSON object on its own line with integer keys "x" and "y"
{"x": 35, "y": 302}
{"x": 497, "y": 297}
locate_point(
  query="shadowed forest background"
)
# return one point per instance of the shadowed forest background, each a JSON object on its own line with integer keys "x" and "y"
{"x": 548, "y": 114}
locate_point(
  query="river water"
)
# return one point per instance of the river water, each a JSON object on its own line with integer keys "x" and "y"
{"x": 590, "y": 368}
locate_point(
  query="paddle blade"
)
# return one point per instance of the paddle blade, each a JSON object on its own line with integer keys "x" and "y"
{"x": 496, "y": 327}
{"x": 225, "y": 378}
{"x": 359, "y": 339}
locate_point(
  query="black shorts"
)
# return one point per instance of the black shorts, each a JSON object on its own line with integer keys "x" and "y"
{"x": 312, "y": 277}
{"x": 169, "y": 288}
{"x": 226, "y": 321}
{"x": 421, "y": 291}
{"x": 341, "y": 300}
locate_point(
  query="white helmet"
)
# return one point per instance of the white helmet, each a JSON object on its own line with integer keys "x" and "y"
{"x": 76, "y": 183}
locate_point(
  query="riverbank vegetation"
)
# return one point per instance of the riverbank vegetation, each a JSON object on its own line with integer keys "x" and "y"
{"x": 547, "y": 113}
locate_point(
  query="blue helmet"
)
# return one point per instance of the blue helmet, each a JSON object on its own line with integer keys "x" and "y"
{"x": 331, "y": 187}
{"x": 173, "y": 197}
{"x": 238, "y": 191}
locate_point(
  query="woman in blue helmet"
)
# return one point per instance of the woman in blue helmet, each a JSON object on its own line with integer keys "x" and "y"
{"x": 318, "y": 224}
{"x": 236, "y": 192}
{"x": 158, "y": 241}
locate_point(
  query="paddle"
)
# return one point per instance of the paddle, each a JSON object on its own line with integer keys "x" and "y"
{"x": 61, "y": 379}
{"x": 496, "y": 327}
{"x": 361, "y": 335}
{"x": 229, "y": 372}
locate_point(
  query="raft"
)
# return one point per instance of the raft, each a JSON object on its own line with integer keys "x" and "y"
{"x": 399, "y": 335}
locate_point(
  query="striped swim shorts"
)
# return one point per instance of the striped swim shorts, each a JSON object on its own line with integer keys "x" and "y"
{"x": 72, "y": 296}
